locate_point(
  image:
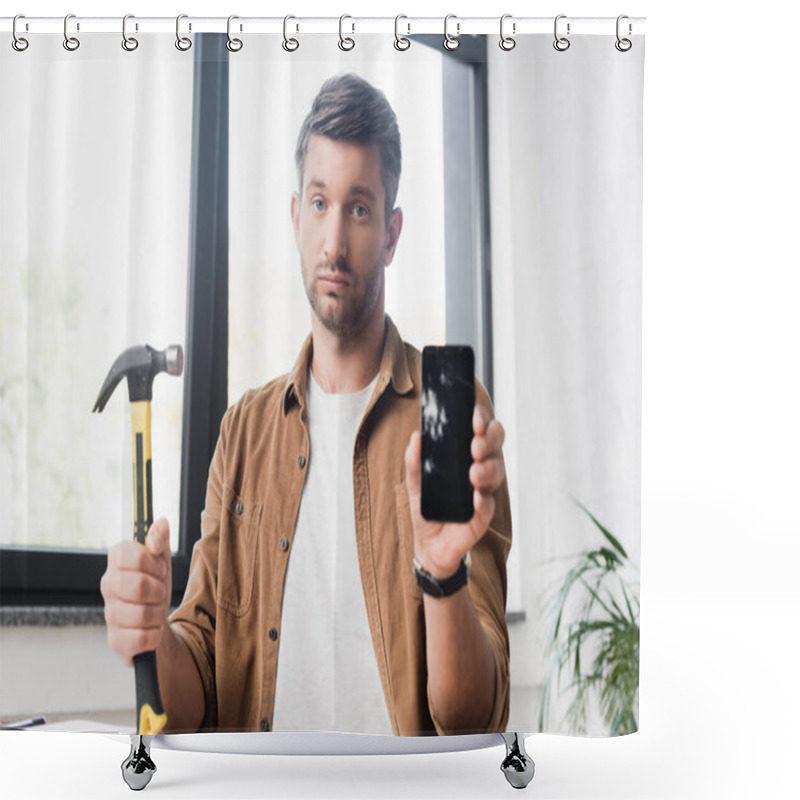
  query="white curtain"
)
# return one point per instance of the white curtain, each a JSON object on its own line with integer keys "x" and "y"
{"x": 566, "y": 201}
{"x": 96, "y": 147}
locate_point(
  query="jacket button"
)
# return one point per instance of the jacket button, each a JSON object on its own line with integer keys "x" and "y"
{"x": 301, "y": 461}
{"x": 265, "y": 725}
{"x": 273, "y": 634}
{"x": 238, "y": 508}
{"x": 284, "y": 545}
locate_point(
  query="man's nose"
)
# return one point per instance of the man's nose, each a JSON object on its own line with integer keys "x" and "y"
{"x": 335, "y": 244}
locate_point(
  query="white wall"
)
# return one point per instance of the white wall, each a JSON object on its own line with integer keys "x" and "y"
{"x": 61, "y": 670}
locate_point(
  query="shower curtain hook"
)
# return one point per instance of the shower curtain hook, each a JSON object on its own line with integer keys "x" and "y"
{"x": 71, "y": 43}
{"x": 128, "y": 42}
{"x": 18, "y": 42}
{"x": 400, "y": 42}
{"x": 345, "y": 42}
{"x": 234, "y": 45}
{"x": 289, "y": 44}
{"x": 561, "y": 43}
{"x": 451, "y": 42}
{"x": 623, "y": 45}
{"x": 507, "y": 42}
{"x": 183, "y": 43}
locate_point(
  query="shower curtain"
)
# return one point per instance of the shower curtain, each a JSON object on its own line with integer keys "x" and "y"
{"x": 146, "y": 197}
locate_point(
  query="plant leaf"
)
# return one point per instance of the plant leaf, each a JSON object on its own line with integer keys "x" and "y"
{"x": 597, "y": 597}
{"x": 611, "y": 538}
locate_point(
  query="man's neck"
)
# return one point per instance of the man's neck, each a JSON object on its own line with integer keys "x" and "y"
{"x": 346, "y": 365}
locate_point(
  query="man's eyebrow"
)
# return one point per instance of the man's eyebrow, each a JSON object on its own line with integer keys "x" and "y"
{"x": 355, "y": 191}
{"x": 362, "y": 190}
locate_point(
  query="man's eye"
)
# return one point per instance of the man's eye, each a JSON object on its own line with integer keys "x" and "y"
{"x": 318, "y": 204}
{"x": 360, "y": 211}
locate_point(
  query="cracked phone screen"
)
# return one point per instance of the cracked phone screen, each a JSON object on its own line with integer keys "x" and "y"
{"x": 446, "y": 407}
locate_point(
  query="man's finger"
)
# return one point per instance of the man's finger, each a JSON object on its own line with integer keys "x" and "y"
{"x": 157, "y": 539}
{"x": 486, "y": 476}
{"x": 412, "y": 458}
{"x": 133, "y": 615}
{"x": 127, "y": 642}
{"x": 480, "y": 420}
{"x": 490, "y": 444}
{"x": 484, "y": 511}
{"x": 134, "y": 557}
{"x": 139, "y": 587}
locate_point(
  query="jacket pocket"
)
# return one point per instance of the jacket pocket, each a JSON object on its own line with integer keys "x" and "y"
{"x": 405, "y": 533}
{"x": 238, "y": 546}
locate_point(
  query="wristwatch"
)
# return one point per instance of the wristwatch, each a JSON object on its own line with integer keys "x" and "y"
{"x": 442, "y": 588}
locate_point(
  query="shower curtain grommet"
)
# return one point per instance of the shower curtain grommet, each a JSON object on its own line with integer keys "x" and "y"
{"x": 183, "y": 43}
{"x": 19, "y": 43}
{"x": 507, "y": 43}
{"x": 129, "y": 43}
{"x": 623, "y": 44}
{"x": 401, "y": 43}
{"x": 233, "y": 44}
{"x": 561, "y": 43}
{"x": 451, "y": 42}
{"x": 289, "y": 44}
{"x": 71, "y": 43}
{"x": 346, "y": 43}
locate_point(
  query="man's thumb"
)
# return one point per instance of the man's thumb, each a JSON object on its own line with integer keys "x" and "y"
{"x": 157, "y": 540}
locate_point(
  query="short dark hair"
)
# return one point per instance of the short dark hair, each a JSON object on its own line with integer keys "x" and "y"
{"x": 348, "y": 108}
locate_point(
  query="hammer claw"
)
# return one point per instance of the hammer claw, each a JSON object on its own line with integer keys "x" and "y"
{"x": 140, "y": 365}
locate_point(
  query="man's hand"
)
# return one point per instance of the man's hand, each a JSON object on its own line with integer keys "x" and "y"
{"x": 439, "y": 546}
{"x": 136, "y": 588}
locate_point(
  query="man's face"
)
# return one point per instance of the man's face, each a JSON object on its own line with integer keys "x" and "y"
{"x": 341, "y": 234}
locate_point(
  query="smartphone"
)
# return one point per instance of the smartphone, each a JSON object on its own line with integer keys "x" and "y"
{"x": 446, "y": 409}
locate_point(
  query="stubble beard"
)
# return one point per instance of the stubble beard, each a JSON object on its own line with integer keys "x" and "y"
{"x": 345, "y": 317}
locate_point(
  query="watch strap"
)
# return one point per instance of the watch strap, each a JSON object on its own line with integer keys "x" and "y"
{"x": 444, "y": 587}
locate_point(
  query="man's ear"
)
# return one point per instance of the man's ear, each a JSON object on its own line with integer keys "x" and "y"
{"x": 393, "y": 230}
{"x": 295, "y": 211}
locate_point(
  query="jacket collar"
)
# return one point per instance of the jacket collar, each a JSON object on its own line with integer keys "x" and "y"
{"x": 394, "y": 368}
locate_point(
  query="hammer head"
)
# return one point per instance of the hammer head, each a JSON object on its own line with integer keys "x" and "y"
{"x": 140, "y": 365}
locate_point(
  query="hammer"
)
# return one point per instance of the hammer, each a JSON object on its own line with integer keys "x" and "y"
{"x": 140, "y": 365}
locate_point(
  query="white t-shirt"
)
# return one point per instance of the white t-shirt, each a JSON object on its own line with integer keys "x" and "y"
{"x": 327, "y": 676}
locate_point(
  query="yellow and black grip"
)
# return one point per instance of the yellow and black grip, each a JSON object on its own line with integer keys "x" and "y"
{"x": 151, "y": 717}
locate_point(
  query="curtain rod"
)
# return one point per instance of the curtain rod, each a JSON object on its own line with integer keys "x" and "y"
{"x": 326, "y": 25}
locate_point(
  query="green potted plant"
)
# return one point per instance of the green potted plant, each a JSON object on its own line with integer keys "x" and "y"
{"x": 597, "y": 647}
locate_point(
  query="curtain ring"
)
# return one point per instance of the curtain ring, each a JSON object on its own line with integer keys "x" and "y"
{"x": 70, "y": 42}
{"x": 507, "y": 42}
{"x": 400, "y": 42}
{"x": 183, "y": 43}
{"x": 345, "y": 42}
{"x": 289, "y": 44}
{"x": 623, "y": 45}
{"x": 234, "y": 45}
{"x": 451, "y": 42}
{"x": 561, "y": 43}
{"x": 18, "y": 42}
{"x": 128, "y": 42}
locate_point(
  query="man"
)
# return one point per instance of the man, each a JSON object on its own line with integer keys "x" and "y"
{"x": 302, "y": 610}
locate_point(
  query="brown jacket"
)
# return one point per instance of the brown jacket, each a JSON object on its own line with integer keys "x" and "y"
{"x": 230, "y": 617}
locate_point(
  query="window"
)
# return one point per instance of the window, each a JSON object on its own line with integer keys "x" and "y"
{"x": 54, "y": 494}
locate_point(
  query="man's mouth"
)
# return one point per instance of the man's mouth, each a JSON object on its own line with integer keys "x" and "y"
{"x": 333, "y": 280}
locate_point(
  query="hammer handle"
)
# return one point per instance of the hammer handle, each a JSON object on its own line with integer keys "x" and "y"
{"x": 150, "y": 715}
